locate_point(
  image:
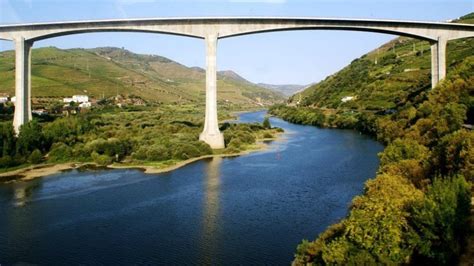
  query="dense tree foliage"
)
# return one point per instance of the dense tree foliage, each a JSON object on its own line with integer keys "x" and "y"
{"x": 112, "y": 135}
{"x": 415, "y": 210}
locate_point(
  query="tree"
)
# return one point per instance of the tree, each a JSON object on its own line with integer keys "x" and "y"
{"x": 455, "y": 153}
{"x": 7, "y": 143}
{"x": 30, "y": 138}
{"x": 266, "y": 123}
{"x": 60, "y": 152}
{"x": 403, "y": 149}
{"x": 440, "y": 219}
{"x": 35, "y": 157}
{"x": 157, "y": 152}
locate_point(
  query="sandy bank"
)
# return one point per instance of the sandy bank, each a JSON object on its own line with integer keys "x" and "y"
{"x": 42, "y": 170}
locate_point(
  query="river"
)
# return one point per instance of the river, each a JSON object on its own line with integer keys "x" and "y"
{"x": 253, "y": 209}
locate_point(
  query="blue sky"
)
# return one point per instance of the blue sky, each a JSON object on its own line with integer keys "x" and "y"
{"x": 299, "y": 57}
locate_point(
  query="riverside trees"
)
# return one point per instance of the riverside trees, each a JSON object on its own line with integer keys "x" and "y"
{"x": 168, "y": 133}
{"x": 416, "y": 209}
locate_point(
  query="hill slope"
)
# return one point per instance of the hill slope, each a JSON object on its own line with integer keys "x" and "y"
{"x": 109, "y": 71}
{"x": 384, "y": 78}
{"x": 285, "y": 89}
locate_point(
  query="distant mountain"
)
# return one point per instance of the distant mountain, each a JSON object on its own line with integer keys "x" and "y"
{"x": 231, "y": 75}
{"x": 286, "y": 89}
{"x": 108, "y": 71}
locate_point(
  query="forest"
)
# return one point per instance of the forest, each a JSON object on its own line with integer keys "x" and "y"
{"x": 416, "y": 210}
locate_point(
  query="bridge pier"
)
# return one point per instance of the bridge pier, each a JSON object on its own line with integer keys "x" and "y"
{"x": 211, "y": 134}
{"x": 22, "y": 83}
{"x": 438, "y": 61}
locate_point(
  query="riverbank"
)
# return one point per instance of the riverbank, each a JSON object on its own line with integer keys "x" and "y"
{"x": 42, "y": 170}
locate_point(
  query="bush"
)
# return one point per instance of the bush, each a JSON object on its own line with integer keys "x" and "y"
{"x": 440, "y": 219}
{"x": 141, "y": 153}
{"x": 455, "y": 153}
{"x": 30, "y": 138}
{"x": 267, "y": 135}
{"x": 60, "y": 152}
{"x": 403, "y": 149}
{"x": 112, "y": 147}
{"x": 66, "y": 129}
{"x": 157, "y": 153}
{"x": 35, "y": 157}
{"x": 7, "y": 139}
{"x": 102, "y": 160}
{"x": 183, "y": 151}
{"x": 266, "y": 123}
{"x": 7, "y": 161}
{"x": 235, "y": 143}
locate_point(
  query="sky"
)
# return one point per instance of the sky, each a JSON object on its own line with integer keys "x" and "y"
{"x": 290, "y": 57}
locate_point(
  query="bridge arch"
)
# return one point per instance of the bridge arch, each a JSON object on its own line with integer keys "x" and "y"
{"x": 212, "y": 29}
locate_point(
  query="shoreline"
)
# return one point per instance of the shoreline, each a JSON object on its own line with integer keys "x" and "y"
{"x": 44, "y": 170}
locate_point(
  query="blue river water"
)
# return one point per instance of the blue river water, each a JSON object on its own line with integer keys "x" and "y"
{"x": 252, "y": 209}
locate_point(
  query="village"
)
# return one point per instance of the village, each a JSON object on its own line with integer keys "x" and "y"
{"x": 68, "y": 105}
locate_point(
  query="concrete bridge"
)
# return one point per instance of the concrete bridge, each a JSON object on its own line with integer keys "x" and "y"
{"x": 212, "y": 29}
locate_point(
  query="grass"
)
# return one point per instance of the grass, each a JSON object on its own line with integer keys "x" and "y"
{"x": 108, "y": 71}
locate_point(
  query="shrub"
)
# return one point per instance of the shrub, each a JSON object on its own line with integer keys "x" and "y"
{"x": 30, "y": 138}
{"x": 6, "y": 161}
{"x": 141, "y": 153}
{"x": 157, "y": 153}
{"x": 183, "y": 151}
{"x": 440, "y": 219}
{"x": 267, "y": 135}
{"x": 403, "y": 149}
{"x": 235, "y": 143}
{"x": 455, "y": 153}
{"x": 60, "y": 152}
{"x": 266, "y": 123}
{"x": 35, "y": 157}
{"x": 102, "y": 160}
{"x": 7, "y": 139}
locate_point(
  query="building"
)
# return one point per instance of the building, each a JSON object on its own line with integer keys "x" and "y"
{"x": 85, "y": 105}
{"x": 347, "y": 98}
{"x": 40, "y": 112}
{"x": 80, "y": 98}
{"x": 77, "y": 99}
{"x": 68, "y": 100}
{"x": 4, "y": 97}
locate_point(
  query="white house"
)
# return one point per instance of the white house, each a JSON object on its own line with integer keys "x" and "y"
{"x": 77, "y": 99}
{"x": 3, "y": 99}
{"x": 68, "y": 100}
{"x": 80, "y": 98}
{"x": 85, "y": 105}
{"x": 347, "y": 98}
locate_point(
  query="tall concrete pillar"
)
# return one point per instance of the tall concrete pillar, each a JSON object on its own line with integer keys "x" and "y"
{"x": 22, "y": 83}
{"x": 438, "y": 61}
{"x": 211, "y": 134}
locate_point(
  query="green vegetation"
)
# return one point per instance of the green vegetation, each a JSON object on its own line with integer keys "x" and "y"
{"x": 106, "y": 72}
{"x": 385, "y": 78}
{"x": 130, "y": 136}
{"x": 416, "y": 209}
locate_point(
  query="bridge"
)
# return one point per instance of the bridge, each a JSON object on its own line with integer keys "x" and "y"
{"x": 212, "y": 29}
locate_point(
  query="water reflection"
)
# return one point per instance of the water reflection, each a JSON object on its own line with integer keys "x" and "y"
{"x": 23, "y": 191}
{"x": 210, "y": 230}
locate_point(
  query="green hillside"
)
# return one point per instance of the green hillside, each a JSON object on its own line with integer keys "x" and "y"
{"x": 418, "y": 209}
{"x": 385, "y": 78}
{"x": 110, "y": 71}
